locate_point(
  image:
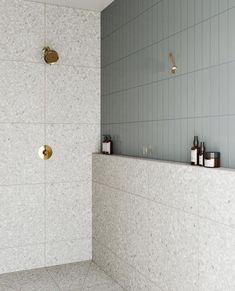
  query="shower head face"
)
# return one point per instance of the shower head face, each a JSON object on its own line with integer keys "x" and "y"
{"x": 173, "y": 69}
{"x": 50, "y": 56}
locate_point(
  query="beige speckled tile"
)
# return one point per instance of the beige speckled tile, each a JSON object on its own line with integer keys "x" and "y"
{"x": 70, "y": 276}
{"x": 75, "y": 34}
{"x": 68, "y": 251}
{"x": 128, "y": 277}
{"x": 21, "y": 30}
{"x": 96, "y": 277}
{"x": 158, "y": 241}
{"x": 126, "y": 174}
{"x": 216, "y": 196}
{"x": 19, "y": 161}
{"x": 33, "y": 280}
{"x": 216, "y": 256}
{"x": 68, "y": 211}
{"x": 73, "y": 95}
{"x": 22, "y": 92}
{"x": 72, "y": 152}
{"x": 175, "y": 185}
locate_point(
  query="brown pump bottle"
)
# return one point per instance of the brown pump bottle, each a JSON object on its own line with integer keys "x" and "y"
{"x": 195, "y": 152}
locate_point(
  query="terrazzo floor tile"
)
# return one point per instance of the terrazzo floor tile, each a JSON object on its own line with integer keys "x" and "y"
{"x": 83, "y": 276}
{"x": 33, "y": 280}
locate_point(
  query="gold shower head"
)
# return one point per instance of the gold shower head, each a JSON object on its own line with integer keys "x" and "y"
{"x": 50, "y": 56}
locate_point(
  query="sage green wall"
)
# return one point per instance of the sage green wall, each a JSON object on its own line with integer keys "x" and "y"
{"x": 143, "y": 103}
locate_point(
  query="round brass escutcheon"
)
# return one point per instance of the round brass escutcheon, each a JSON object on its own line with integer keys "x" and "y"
{"x": 50, "y": 56}
{"x": 45, "y": 152}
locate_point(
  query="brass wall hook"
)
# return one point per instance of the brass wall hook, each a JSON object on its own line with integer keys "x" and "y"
{"x": 172, "y": 62}
{"x": 45, "y": 152}
{"x": 50, "y": 56}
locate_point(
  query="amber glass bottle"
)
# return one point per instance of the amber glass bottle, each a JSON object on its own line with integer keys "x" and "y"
{"x": 202, "y": 154}
{"x": 195, "y": 151}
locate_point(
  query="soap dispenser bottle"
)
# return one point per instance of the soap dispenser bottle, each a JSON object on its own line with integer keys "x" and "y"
{"x": 202, "y": 154}
{"x": 104, "y": 143}
{"x": 107, "y": 145}
{"x": 195, "y": 151}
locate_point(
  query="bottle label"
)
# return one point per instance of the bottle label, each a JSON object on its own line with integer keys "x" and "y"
{"x": 201, "y": 160}
{"x": 104, "y": 147}
{"x": 108, "y": 147}
{"x": 210, "y": 163}
{"x": 194, "y": 156}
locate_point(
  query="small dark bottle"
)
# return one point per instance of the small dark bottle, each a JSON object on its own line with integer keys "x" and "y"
{"x": 195, "y": 151}
{"x": 104, "y": 143}
{"x": 107, "y": 145}
{"x": 202, "y": 154}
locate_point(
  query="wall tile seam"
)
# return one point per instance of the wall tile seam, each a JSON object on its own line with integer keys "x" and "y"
{"x": 169, "y": 119}
{"x": 128, "y": 21}
{"x": 47, "y": 123}
{"x": 22, "y": 246}
{"x": 123, "y": 260}
{"x": 43, "y": 64}
{"x": 168, "y": 78}
{"x": 232, "y": 228}
{"x": 60, "y": 6}
{"x": 147, "y": 199}
{"x": 64, "y": 6}
{"x": 68, "y": 240}
{"x": 167, "y": 38}
{"x": 47, "y": 242}
{"x": 47, "y": 183}
{"x": 45, "y": 138}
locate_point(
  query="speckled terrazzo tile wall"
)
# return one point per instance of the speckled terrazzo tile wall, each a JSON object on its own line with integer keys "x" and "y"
{"x": 143, "y": 103}
{"x": 163, "y": 226}
{"x": 45, "y": 207}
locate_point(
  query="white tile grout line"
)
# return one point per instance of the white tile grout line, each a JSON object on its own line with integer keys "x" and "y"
{"x": 64, "y": 6}
{"x": 44, "y": 119}
{"x": 47, "y": 183}
{"x": 49, "y": 123}
{"x": 47, "y": 242}
{"x": 55, "y": 65}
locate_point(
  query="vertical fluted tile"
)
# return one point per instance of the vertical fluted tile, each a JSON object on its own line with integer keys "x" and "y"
{"x": 200, "y": 36}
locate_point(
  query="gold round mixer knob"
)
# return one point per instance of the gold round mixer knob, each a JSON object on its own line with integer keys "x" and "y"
{"x": 45, "y": 152}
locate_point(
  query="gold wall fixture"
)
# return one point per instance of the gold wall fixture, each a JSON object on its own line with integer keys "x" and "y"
{"x": 45, "y": 152}
{"x": 50, "y": 56}
{"x": 172, "y": 62}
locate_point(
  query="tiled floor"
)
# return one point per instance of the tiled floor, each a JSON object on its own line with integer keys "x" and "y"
{"x": 85, "y": 276}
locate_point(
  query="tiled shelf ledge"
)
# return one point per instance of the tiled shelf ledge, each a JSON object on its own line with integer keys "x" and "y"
{"x": 152, "y": 160}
